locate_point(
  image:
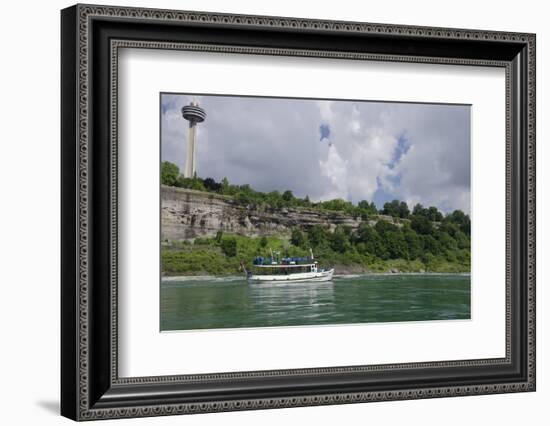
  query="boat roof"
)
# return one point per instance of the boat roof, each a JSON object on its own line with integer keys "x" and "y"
{"x": 286, "y": 265}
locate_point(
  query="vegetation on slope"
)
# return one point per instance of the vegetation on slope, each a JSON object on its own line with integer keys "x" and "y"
{"x": 426, "y": 241}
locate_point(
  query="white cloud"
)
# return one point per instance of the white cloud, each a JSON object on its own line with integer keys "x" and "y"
{"x": 414, "y": 152}
{"x": 335, "y": 169}
{"x": 365, "y": 146}
{"x": 325, "y": 109}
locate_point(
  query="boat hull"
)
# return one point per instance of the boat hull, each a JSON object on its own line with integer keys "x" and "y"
{"x": 302, "y": 277}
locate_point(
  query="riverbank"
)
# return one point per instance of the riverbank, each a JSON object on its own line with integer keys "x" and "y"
{"x": 223, "y": 256}
{"x": 210, "y": 262}
{"x": 241, "y": 277}
{"x": 400, "y": 266}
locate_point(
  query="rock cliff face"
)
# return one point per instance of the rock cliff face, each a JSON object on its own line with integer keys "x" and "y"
{"x": 188, "y": 214}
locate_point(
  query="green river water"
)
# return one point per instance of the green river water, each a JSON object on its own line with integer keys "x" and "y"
{"x": 210, "y": 303}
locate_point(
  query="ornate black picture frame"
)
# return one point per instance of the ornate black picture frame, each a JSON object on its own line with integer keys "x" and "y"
{"x": 91, "y": 387}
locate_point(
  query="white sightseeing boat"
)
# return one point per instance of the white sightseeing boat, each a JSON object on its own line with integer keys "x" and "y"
{"x": 288, "y": 270}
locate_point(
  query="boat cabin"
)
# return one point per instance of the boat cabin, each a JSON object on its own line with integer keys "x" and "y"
{"x": 288, "y": 265}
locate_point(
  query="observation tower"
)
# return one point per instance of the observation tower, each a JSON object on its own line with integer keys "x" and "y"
{"x": 194, "y": 114}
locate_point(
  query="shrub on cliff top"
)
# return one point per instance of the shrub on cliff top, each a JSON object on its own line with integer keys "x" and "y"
{"x": 169, "y": 173}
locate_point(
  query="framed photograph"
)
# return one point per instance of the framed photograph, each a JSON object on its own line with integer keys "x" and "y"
{"x": 263, "y": 212}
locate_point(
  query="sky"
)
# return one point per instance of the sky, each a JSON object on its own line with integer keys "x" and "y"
{"x": 326, "y": 149}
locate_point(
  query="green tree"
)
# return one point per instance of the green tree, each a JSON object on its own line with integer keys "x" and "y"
{"x": 396, "y": 208}
{"x": 431, "y": 245}
{"x": 371, "y": 241}
{"x": 450, "y": 228}
{"x": 346, "y": 229}
{"x": 462, "y": 240}
{"x": 274, "y": 199}
{"x": 224, "y": 186}
{"x": 244, "y": 198}
{"x": 414, "y": 243}
{"x": 396, "y": 245}
{"x": 447, "y": 242}
{"x": 263, "y": 242}
{"x": 421, "y": 225}
{"x": 229, "y": 247}
{"x": 298, "y": 238}
{"x": 431, "y": 213}
{"x": 288, "y": 196}
{"x": 404, "y": 211}
{"x": 197, "y": 184}
{"x": 190, "y": 183}
{"x": 463, "y": 256}
{"x": 338, "y": 205}
{"x": 391, "y": 208}
{"x": 169, "y": 173}
{"x": 367, "y": 208}
{"x": 211, "y": 185}
{"x": 364, "y": 233}
{"x": 383, "y": 227}
{"x": 183, "y": 182}
{"x": 316, "y": 235}
{"x": 462, "y": 220}
{"x": 429, "y": 260}
{"x": 434, "y": 215}
{"x": 418, "y": 209}
{"x": 339, "y": 241}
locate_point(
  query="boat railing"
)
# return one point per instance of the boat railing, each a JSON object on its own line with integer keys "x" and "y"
{"x": 266, "y": 261}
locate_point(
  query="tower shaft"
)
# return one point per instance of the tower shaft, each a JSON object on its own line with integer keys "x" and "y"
{"x": 190, "y": 168}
